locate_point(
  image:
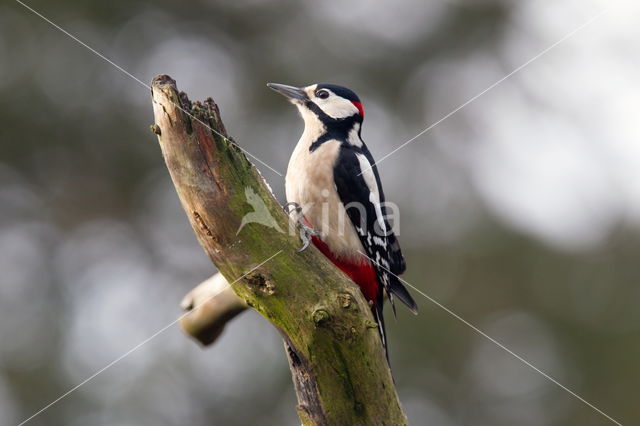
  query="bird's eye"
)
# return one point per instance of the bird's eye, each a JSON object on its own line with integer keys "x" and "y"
{"x": 322, "y": 94}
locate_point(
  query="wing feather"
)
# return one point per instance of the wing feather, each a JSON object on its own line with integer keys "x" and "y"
{"x": 360, "y": 191}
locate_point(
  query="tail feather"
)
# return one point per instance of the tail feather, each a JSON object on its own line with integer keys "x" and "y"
{"x": 396, "y": 288}
{"x": 393, "y": 304}
{"x": 377, "y": 312}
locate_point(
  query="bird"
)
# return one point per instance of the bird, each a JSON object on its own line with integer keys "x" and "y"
{"x": 333, "y": 182}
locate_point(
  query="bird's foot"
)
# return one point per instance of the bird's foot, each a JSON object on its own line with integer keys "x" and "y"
{"x": 306, "y": 232}
{"x": 288, "y": 208}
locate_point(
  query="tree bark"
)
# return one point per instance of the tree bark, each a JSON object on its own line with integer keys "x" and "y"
{"x": 337, "y": 361}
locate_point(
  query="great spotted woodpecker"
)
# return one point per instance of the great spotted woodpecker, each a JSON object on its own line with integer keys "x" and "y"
{"x": 332, "y": 175}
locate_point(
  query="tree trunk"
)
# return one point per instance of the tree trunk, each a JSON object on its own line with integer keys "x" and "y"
{"x": 338, "y": 365}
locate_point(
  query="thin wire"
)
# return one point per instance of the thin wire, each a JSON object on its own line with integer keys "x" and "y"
{"x": 515, "y": 71}
{"x": 139, "y": 345}
{"x": 91, "y": 49}
{"x": 497, "y": 343}
{"x": 135, "y": 348}
{"x": 473, "y": 327}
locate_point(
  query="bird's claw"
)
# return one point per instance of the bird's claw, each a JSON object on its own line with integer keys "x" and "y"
{"x": 296, "y": 207}
{"x": 306, "y": 232}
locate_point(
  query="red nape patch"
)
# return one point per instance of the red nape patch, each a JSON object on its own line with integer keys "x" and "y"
{"x": 362, "y": 273}
{"x": 359, "y": 106}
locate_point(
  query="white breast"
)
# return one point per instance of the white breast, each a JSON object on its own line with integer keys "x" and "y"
{"x": 310, "y": 183}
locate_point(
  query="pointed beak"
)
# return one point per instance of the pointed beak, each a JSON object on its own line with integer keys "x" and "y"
{"x": 293, "y": 93}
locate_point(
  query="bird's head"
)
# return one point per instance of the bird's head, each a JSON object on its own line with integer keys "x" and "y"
{"x": 329, "y": 103}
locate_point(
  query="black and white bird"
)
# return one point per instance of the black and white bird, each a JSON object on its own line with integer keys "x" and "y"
{"x": 333, "y": 179}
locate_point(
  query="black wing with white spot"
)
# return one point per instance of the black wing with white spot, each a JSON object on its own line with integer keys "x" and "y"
{"x": 360, "y": 191}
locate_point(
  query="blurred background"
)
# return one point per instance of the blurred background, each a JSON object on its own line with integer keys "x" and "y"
{"x": 521, "y": 212}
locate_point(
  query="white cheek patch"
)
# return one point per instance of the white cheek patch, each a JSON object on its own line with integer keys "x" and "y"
{"x": 336, "y": 107}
